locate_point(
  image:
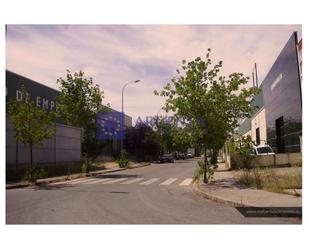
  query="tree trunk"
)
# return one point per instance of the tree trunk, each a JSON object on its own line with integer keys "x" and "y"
{"x": 206, "y": 165}
{"x": 31, "y": 157}
{"x": 31, "y": 161}
{"x": 16, "y": 155}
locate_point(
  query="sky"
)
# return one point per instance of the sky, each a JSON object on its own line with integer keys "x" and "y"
{"x": 116, "y": 54}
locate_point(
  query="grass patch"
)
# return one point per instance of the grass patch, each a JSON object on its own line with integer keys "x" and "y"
{"x": 272, "y": 179}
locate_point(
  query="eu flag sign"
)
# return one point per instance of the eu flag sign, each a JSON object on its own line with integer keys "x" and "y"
{"x": 109, "y": 125}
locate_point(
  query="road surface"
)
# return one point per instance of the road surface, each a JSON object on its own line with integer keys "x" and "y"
{"x": 156, "y": 194}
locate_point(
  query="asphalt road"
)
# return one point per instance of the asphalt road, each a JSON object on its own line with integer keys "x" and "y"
{"x": 156, "y": 194}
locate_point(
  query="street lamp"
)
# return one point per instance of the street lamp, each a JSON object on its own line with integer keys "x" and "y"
{"x": 130, "y": 82}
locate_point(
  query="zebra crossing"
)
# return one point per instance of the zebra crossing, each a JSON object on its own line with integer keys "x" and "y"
{"x": 128, "y": 181}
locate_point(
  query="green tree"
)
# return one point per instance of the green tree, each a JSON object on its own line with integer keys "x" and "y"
{"x": 182, "y": 138}
{"x": 211, "y": 103}
{"x": 241, "y": 151}
{"x": 32, "y": 125}
{"x": 142, "y": 142}
{"x": 164, "y": 129}
{"x": 79, "y": 102}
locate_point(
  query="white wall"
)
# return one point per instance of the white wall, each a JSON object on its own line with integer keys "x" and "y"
{"x": 247, "y": 134}
{"x": 276, "y": 160}
{"x": 259, "y": 121}
{"x": 64, "y": 146}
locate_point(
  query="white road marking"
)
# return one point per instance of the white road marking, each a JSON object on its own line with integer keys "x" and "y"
{"x": 99, "y": 181}
{"x": 186, "y": 182}
{"x": 150, "y": 181}
{"x": 58, "y": 183}
{"x": 81, "y": 181}
{"x": 133, "y": 181}
{"x": 67, "y": 181}
{"x": 168, "y": 181}
{"x": 116, "y": 180}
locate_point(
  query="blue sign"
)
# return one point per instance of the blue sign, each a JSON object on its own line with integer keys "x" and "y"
{"x": 109, "y": 125}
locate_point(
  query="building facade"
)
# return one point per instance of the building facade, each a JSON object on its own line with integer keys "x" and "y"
{"x": 63, "y": 147}
{"x": 278, "y": 120}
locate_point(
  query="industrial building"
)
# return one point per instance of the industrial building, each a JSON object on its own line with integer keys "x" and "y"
{"x": 278, "y": 118}
{"x": 63, "y": 147}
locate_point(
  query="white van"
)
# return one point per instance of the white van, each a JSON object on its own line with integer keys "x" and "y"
{"x": 262, "y": 150}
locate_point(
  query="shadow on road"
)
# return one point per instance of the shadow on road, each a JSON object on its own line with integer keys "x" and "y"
{"x": 226, "y": 183}
{"x": 67, "y": 184}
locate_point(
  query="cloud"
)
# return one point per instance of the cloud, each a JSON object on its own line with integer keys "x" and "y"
{"x": 115, "y": 54}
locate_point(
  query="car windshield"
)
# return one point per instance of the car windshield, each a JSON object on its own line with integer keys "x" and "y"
{"x": 264, "y": 150}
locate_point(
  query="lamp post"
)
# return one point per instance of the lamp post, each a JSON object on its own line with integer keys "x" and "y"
{"x": 130, "y": 82}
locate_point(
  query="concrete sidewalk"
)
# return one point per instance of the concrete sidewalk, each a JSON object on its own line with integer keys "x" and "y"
{"x": 225, "y": 188}
{"x": 72, "y": 176}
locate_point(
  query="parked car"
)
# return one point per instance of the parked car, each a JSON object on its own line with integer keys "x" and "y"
{"x": 180, "y": 155}
{"x": 262, "y": 150}
{"x": 189, "y": 155}
{"x": 164, "y": 158}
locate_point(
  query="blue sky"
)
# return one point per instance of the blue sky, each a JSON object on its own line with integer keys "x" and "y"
{"x": 115, "y": 54}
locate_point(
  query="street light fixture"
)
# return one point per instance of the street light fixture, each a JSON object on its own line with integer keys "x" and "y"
{"x": 130, "y": 82}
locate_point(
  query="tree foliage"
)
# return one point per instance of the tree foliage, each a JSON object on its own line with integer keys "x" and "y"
{"x": 182, "y": 138}
{"x": 142, "y": 142}
{"x": 163, "y": 127}
{"x": 32, "y": 125}
{"x": 241, "y": 152}
{"x": 172, "y": 135}
{"x": 211, "y": 103}
{"x": 78, "y": 103}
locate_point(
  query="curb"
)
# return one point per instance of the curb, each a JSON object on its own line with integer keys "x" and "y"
{"x": 74, "y": 176}
{"x": 139, "y": 165}
{"x": 204, "y": 194}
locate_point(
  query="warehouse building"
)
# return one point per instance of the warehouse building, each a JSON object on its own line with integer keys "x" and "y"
{"x": 63, "y": 147}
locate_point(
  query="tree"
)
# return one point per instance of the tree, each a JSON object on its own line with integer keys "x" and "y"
{"x": 241, "y": 151}
{"x": 142, "y": 142}
{"x": 182, "y": 138}
{"x": 32, "y": 125}
{"x": 79, "y": 102}
{"x": 211, "y": 103}
{"x": 164, "y": 130}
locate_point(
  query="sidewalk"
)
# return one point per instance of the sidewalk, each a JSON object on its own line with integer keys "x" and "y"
{"x": 224, "y": 188}
{"x": 72, "y": 176}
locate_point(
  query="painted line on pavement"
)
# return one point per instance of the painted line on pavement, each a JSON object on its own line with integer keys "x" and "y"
{"x": 116, "y": 180}
{"x": 81, "y": 181}
{"x": 168, "y": 181}
{"x": 99, "y": 181}
{"x": 186, "y": 182}
{"x": 133, "y": 181}
{"x": 150, "y": 181}
{"x": 67, "y": 182}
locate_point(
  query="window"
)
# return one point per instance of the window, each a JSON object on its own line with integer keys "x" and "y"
{"x": 257, "y": 133}
{"x": 279, "y": 135}
{"x": 264, "y": 150}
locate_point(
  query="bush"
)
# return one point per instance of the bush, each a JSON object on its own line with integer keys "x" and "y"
{"x": 240, "y": 150}
{"x": 85, "y": 168}
{"x": 34, "y": 173}
{"x": 123, "y": 161}
{"x": 201, "y": 169}
{"x": 299, "y": 162}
